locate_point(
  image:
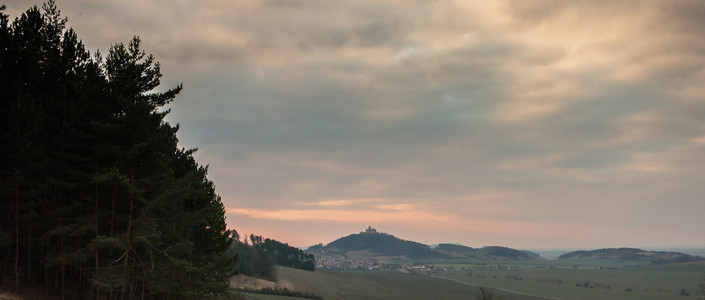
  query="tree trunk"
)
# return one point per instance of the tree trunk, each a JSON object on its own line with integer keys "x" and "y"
{"x": 112, "y": 212}
{"x": 17, "y": 200}
{"x": 63, "y": 279}
{"x": 28, "y": 275}
{"x": 17, "y": 235}
{"x": 95, "y": 253}
{"x": 129, "y": 228}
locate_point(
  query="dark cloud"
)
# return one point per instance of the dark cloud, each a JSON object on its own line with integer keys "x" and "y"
{"x": 684, "y": 16}
{"x": 520, "y": 114}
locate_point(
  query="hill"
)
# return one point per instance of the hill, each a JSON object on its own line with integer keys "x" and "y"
{"x": 454, "y": 248}
{"x": 371, "y": 243}
{"x": 485, "y": 253}
{"x": 633, "y": 254}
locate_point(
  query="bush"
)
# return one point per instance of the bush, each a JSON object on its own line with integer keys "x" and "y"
{"x": 484, "y": 293}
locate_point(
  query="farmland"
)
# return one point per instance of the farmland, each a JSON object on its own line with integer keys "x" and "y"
{"x": 381, "y": 285}
{"x": 672, "y": 281}
{"x": 460, "y": 281}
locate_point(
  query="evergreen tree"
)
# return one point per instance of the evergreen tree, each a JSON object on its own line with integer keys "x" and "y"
{"x": 251, "y": 261}
{"x": 96, "y": 197}
{"x": 259, "y": 256}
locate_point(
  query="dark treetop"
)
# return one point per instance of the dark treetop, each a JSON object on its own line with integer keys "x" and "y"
{"x": 96, "y": 198}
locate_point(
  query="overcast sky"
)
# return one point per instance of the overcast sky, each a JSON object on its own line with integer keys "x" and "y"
{"x": 528, "y": 124}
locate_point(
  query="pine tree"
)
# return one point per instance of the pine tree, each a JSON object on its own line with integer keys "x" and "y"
{"x": 95, "y": 193}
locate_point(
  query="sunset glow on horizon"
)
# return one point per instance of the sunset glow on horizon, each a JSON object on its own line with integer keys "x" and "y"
{"x": 527, "y": 124}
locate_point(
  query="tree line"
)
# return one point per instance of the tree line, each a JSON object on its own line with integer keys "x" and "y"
{"x": 257, "y": 256}
{"x": 96, "y": 198}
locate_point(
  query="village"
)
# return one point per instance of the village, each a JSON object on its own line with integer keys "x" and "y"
{"x": 339, "y": 262}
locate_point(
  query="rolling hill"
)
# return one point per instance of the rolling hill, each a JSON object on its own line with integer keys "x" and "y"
{"x": 485, "y": 253}
{"x": 371, "y": 244}
{"x": 633, "y": 254}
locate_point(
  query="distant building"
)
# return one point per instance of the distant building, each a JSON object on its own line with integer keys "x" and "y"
{"x": 370, "y": 230}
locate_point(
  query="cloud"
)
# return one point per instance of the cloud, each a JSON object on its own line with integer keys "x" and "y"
{"x": 684, "y": 159}
{"x": 390, "y": 214}
{"x": 568, "y": 114}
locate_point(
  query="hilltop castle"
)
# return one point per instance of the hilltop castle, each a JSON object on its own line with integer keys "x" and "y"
{"x": 370, "y": 230}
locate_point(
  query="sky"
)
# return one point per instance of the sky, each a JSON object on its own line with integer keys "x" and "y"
{"x": 527, "y": 124}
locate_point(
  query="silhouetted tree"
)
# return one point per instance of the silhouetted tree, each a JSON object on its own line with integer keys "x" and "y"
{"x": 94, "y": 192}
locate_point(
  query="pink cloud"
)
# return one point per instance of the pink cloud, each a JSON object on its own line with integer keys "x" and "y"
{"x": 392, "y": 214}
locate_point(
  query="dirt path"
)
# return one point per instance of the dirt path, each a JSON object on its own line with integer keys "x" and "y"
{"x": 242, "y": 281}
{"x": 499, "y": 289}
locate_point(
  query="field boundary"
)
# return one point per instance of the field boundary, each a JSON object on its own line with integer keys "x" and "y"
{"x": 499, "y": 289}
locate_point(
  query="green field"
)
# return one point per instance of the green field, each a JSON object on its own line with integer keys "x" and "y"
{"x": 381, "y": 285}
{"x": 520, "y": 282}
{"x": 590, "y": 282}
{"x": 252, "y": 296}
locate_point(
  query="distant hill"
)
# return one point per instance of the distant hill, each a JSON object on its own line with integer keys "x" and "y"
{"x": 486, "y": 253}
{"x": 370, "y": 243}
{"x": 633, "y": 254}
{"x": 454, "y": 248}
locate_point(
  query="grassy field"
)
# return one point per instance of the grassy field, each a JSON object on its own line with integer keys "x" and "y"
{"x": 590, "y": 282}
{"x": 253, "y": 296}
{"x": 381, "y": 285}
{"x": 520, "y": 282}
